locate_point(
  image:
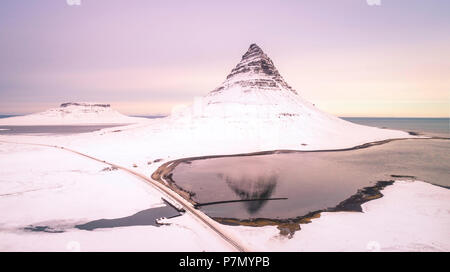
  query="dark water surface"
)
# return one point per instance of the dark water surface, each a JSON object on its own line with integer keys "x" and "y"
{"x": 428, "y": 126}
{"x": 142, "y": 218}
{"x": 146, "y": 217}
{"x": 8, "y": 115}
{"x": 45, "y": 130}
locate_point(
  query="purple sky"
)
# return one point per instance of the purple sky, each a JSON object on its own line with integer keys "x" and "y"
{"x": 144, "y": 57}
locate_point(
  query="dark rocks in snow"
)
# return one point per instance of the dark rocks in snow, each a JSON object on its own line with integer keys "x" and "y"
{"x": 64, "y": 105}
{"x": 112, "y": 168}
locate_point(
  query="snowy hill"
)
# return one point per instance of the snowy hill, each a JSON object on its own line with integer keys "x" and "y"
{"x": 74, "y": 114}
{"x": 255, "y": 103}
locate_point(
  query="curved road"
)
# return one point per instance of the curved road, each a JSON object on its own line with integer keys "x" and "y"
{"x": 211, "y": 224}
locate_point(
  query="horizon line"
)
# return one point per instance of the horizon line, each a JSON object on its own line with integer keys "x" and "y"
{"x": 166, "y": 115}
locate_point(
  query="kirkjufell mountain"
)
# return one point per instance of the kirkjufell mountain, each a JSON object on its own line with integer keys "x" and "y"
{"x": 74, "y": 113}
{"x": 254, "y": 109}
{"x": 255, "y": 105}
{"x": 255, "y": 70}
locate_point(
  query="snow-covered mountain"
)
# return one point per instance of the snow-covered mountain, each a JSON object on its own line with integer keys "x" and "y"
{"x": 255, "y": 103}
{"x": 74, "y": 114}
{"x": 254, "y": 109}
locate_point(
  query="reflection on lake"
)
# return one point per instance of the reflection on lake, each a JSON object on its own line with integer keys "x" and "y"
{"x": 247, "y": 188}
{"x": 310, "y": 180}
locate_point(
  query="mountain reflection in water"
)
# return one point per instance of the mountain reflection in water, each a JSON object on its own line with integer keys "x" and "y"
{"x": 247, "y": 188}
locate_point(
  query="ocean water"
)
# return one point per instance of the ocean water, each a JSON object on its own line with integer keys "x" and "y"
{"x": 429, "y": 126}
{"x": 150, "y": 116}
{"x": 51, "y": 130}
{"x": 7, "y": 115}
{"x": 315, "y": 180}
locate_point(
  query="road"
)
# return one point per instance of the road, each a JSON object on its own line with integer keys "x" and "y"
{"x": 171, "y": 195}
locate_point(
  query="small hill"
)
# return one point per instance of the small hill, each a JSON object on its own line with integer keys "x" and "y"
{"x": 73, "y": 113}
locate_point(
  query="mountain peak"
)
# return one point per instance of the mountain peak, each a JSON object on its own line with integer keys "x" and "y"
{"x": 255, "y": 70}
{"x": 255, "y": 61}
{"x": 253, "y": 50}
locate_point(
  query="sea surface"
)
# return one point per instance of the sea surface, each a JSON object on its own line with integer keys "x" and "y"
{"x": 7, "y": 115}
{"x": 428, "y": 126}
{"x": 57, "y": 129}
{"x": 310, "y": 181}
{"x": 51, "y": 130}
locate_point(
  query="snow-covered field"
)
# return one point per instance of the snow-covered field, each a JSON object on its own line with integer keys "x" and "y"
{"x": 52, "y": 187}
{"x": 43, "y": 186}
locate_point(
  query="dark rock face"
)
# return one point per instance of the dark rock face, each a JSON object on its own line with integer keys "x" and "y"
{"x": 255, "y": 61}
{"x": 64, "y": 105}
{"x": 255, "y": 71}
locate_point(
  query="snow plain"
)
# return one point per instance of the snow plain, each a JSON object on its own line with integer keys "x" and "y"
{"x": 61, "y": 189}
{"x": 42, "y": 186}
{"x": 46, "y": 186}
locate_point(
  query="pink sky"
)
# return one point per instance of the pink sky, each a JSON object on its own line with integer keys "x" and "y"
{"x": 145, "y": 57}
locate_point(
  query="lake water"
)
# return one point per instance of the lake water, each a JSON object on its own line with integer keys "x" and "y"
{"x": 146, "y": 217}
{"x": 313, "y": 180}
